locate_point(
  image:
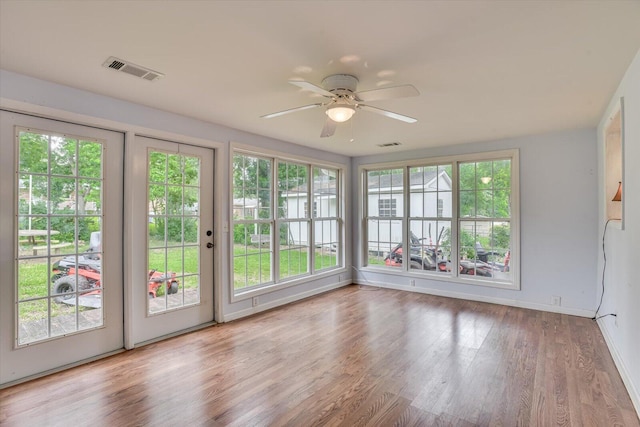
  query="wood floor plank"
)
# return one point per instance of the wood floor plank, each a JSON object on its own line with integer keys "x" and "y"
{"x": 353, "y": 356}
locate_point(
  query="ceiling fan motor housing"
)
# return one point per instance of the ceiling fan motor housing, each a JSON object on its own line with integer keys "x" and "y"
{"x": 340, "y": 82}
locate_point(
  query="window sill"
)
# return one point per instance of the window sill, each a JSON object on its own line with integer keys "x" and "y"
{"x": 273, "y": 287}
{"x": 426, "y": 276}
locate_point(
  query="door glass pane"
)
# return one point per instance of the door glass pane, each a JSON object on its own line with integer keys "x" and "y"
{"x": 173, "y": 233}
{"x": 59, "y": 276}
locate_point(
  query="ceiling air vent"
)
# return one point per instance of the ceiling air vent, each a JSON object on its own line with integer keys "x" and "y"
{"x": 389, "y": 144}
{"x": 133, "y": 69}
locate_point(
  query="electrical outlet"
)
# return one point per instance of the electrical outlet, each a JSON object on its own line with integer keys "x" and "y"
{"x": 556, "y": 300}
{"x": 254, "y": 301}
{"x": 412, "y": 282}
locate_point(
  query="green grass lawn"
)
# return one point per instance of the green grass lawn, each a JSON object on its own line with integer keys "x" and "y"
{"x": 32, "y": 276}
{"x": 251, "y": 266}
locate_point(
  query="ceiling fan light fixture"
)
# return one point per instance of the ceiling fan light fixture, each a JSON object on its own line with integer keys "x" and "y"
{"x": 340, "y": 112}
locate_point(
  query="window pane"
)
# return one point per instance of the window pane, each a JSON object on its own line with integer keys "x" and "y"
{"x": 63, "y": 156}
{"x": 62, "y": 197}
{"x": 33, "y": 321}
{"x": 191, "y": 170}
{"x": 294, "y": 249}
{"x": 502, "y": 204}
{"x": 502, "y": 174}
{"x": 174, "y": 169}
{"x": 484, "y": 204}
{"x": 385, "y": 193}
{"x": 484, "y": 244}
{"x": 252, "y": 192}
{"x": 173, "y": 259}
{"x": 467, "y": 204}
{"x": 326, "y": 244}
{"x": 292, "y": 190}
{"x": 484, "y": 175}
{"x": 430, "y": 246}
{"x": 467, "y": 176}
{"x": 325, "y": 191}
{"x": 157, "y": 167}
{"x": 251, "y": 255}
{"x": 498, "y": 250}
{"x": 34, "y": 153}
{"x": 33, "y": 190}
{"x": 444, "y": 204}
{"x": 59, "y": 261}
{"x": 325, "y": 205}
{"x": 174, "y": 199}
{"x": 90, "y": 159}
{"x": 89, "y": 197}
{"x": 384, "y": 242}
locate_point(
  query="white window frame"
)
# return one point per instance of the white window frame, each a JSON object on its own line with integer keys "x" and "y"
{"x": 512, "y": 155}
{"x": 276, "y": 282}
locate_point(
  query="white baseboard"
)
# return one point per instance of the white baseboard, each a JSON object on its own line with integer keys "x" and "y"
{"x": 480, "y": 298}
{"x": 59, "y": 369}
{"x": 173, "y": 334}
{"x": 277, "y": 303}
{"x": 634, "y": 394}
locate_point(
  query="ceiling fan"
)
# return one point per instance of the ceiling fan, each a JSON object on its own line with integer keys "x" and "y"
{"x": 343, "y": 100}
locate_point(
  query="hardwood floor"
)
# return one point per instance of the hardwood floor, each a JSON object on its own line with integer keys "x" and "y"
{"x": 355, "y": 356}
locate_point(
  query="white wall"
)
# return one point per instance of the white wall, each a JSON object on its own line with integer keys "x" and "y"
{"x": 622, "y": 278}
{"x": 22, "y": 93}
{"x": 558, "y": 205}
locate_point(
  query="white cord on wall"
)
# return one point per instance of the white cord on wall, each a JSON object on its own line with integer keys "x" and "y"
{"x": 604, "y": 268}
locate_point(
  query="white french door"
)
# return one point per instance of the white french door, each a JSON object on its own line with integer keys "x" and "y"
{"x": 61, "y": 286}
{"x": 172, "y": 238}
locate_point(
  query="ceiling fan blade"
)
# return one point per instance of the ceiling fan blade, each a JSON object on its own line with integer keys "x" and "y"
{"x": 311, "y": 87}
{"x": 328, "y": 129}
{"x": 387, "y": 113}
{"x": 403, "y": 91}
{"x": 291, "y": 110}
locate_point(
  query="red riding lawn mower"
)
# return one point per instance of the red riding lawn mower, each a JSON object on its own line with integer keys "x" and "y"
{"x": 423, "y": 257}
{"x": 84, "y": 276}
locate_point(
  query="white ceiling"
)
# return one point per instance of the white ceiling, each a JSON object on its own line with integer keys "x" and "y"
{"x": 485, "y": 69}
